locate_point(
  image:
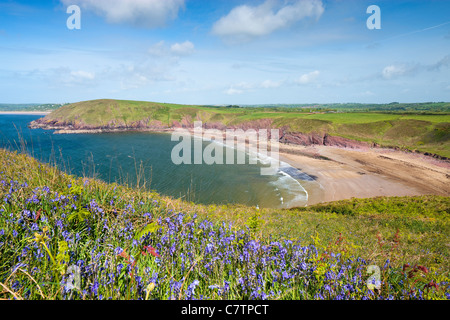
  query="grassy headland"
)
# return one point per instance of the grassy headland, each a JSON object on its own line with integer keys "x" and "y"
{"x": 134, "y": 244}
{"x": 420, "y": 131}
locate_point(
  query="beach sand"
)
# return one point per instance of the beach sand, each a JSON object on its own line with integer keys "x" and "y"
{"x": 366, "y": 173}
{"x": 344, "y": 173}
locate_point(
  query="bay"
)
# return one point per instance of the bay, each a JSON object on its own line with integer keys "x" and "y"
{"x": 137, "y": 158}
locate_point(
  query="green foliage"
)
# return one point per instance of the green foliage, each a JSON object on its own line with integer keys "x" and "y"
{"x": 148, "y": 229}
{"x": 254, "y": 222}
{"x": 410, "y": 231}
{"x": 62, "y": 258}
{"x": 422, "y": 127}
{"x": 79, "y": 215}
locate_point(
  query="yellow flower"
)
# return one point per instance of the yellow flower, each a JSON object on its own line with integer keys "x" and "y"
{"x": 150, "y": 288}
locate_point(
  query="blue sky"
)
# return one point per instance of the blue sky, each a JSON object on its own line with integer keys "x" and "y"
{"x": 225, "y": 51}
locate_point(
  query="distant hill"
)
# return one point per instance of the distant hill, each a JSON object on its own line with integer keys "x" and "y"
{"x": 30, "y": 107}
{"x": 424, "y": 132}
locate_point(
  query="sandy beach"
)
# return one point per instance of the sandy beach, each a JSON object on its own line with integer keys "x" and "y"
{"x": 365, "y": 173}
{"x": 345, "y": 173}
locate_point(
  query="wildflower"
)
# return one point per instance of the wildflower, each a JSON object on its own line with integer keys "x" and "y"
{"x": 191, "y": 288}
{"x": 175, "y": 287}
{"x": 16, "y": 285}
{"x": 151, "y": 250}
{"x": 26, "y": 213}
{"x": 149, "y": 289}
{"x": 147, "y": 215}
{"x": 95, "y": 288}
{"x": 17, "y": 266}
{"x": 209, "y": 248}
{"x": 423, "y": 269}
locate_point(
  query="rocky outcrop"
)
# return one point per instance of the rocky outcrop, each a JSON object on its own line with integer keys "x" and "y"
{"x": 286, "y": 136}
{"x": 112, "y": 126}
{"x": 320, "y": 139}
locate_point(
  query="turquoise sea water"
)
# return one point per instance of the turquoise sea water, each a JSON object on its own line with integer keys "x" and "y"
{"x": 118, "y": 157}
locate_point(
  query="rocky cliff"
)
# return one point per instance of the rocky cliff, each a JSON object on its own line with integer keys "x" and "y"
{"x": 286, "y": 136}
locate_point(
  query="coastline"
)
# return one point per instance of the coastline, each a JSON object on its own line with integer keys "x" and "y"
{"x": 367, "y": 173}
{"x": 343, "y": 173}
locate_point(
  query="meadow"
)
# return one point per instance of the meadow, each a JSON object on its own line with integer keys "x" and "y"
{"x": 425, "y": 132}
{"x": 63, "y": 237}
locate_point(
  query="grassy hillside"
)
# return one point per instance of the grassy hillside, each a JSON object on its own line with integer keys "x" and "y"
{"x": 133, "y": 244}
{"x": 422, "y": 132}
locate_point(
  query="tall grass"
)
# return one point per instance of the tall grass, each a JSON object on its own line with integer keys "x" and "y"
{"x": 63, "y": 237}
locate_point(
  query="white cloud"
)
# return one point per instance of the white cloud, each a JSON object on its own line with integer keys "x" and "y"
{"x": 137, "y": 75}
{"x": 182, "y": 49}
{"x": 367, "y": 93}
{"x": 65, "y": 77}
{"x": 245, "y": 22}
{"x": 308, "y": 77}
{"x": 410, "y": 69}
{"x": 232, "y": 91}
{"x": 443, "y": 63}
{"x": 394, "y": 71}
{"x": 161, "y": 49}
{"x": 268, "y": 84}
{"x": 243, "y": 87}
{"x": 142, "y": 13}
{"x": 82, "y": 75}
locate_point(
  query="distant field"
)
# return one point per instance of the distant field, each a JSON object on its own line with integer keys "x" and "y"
{"x": 29, "y": 107}
{"x": 425, "y": 132}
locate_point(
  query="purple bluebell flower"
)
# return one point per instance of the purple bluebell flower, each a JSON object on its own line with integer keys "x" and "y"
{"x": 190, "y": 292}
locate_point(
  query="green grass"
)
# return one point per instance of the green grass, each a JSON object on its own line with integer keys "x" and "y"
{"x": 422, "y": 132}
{"x": 87, "y": 220}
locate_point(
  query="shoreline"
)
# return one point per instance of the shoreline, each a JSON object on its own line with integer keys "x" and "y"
{"x": 356, "y": 173}
{"x": 344, "y": 173}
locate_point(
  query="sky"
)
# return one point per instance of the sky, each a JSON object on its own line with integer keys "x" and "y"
{"x": 224, "y": 52}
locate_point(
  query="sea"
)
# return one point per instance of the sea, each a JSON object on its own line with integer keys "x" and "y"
{"x": 144, "y": 159}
